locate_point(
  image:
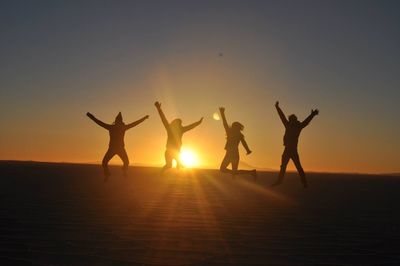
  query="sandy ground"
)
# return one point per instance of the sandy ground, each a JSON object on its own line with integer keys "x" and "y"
{"x": 60, "y": 214}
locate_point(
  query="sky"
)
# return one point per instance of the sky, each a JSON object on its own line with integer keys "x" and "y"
{"x": 61, "y": 59}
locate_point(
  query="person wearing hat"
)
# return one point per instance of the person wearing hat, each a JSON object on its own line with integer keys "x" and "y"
{"x": 116, "y": 145}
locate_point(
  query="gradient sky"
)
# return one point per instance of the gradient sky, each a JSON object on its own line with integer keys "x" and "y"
{"x": 61, "y": 59}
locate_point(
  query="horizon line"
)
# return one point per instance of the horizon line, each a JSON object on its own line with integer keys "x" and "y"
{"x": 261, "y": 169}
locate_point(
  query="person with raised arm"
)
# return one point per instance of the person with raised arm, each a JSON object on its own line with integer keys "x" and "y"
{"x": 116, "y": 144}
{"x": 175, "y": 131}
{"x": 234, "y": 136}
{"x": 293, "y": 127}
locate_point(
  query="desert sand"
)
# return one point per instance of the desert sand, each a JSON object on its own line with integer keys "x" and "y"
{"x": 64, "y": 214}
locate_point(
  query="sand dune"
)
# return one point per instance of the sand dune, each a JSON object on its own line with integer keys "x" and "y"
{"x": 64, "y": 214}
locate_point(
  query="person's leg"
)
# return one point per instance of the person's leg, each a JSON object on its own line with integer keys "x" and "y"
{"x": 284, "y": 162}
{"x": 107, "y": 157}
{"x": 296, "y": 160}
{"x": 176, "y": 156}
{"x": 235, "y": 165}
{"x": 168, "y": 160}
{"x": 124, "y": 157}
{"x": 224, "y": 164}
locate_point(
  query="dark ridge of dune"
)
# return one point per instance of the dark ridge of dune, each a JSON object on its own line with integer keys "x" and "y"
{"x": 64, "y": 214}
{"x": 393, "y": 174}
{"x": 260, "y": 170}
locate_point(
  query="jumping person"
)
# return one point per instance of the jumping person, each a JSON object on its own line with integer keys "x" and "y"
{"x": 233, "y": 137}
{"x": 175, "y": 132}
{"x": 116, "y": 144}
{"x": 293, "y": 128}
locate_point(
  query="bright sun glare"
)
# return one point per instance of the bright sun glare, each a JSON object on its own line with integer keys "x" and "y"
{"x": 189, "y": 158}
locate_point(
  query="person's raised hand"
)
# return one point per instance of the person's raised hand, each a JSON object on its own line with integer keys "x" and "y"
{"x": 157, "y": 104}
{"x": 314, "y": 112}
{"x": 201, "y": 119}
{"x": 89, "y": 115}
{"x": 248, "y": 152}
{"x": 277, "y": 104}
{"x": 222, "y": 109}
{"x": 146, "y": 117}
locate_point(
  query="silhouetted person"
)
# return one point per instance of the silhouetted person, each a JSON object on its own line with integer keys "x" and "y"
{"x": 233, "y": 137}
{"x": 293, "y": 128}
{"x": 116, "y": 145}
{"x": 175, "y": 132}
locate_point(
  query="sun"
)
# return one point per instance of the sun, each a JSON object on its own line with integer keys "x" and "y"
{"x": 188, "y": 158}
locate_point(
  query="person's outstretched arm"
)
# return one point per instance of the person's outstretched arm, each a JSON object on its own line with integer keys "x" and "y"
{"x": 161, "y": 113}
{"x": 244, "y": 143}
{"x": 281, "y": 114}
{"x": 97, "y": 121}
{"x": 191, "y": 126}
{"x": 133, "y": 124}
{"x": 222, "y": 111}
{"x": 309, "y": 118}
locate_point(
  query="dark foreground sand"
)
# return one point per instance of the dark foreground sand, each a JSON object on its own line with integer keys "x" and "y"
{"x": 60, "y": 214}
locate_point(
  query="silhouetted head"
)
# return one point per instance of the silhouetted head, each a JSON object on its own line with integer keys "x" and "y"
{"x": 293, "y": 119}
{"x": 118, "y": 119}
{"x": 237, "y": 127}
{"x": 176, "y": 123}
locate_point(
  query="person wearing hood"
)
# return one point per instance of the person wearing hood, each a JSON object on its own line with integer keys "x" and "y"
{"x": 293, "y": 127}
{"x": 175, "y": 131}
{"x": 116, "y": 145}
